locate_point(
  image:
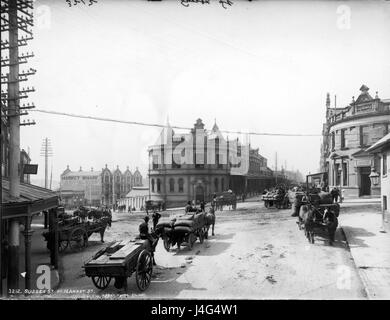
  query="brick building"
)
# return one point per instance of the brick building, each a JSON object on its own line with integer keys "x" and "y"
{"x": 347, "y": 133}
{"x": 96, "y": 188}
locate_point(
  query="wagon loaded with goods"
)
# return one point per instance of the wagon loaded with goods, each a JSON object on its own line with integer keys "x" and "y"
{"x": 73, "y": 231}
{"x": 226, "y": 198}
{"x": 318, "y": 213}
{"x": 277, "y": 198}
{"x": 183, "y": 230}
{"x": 119, "y": 261}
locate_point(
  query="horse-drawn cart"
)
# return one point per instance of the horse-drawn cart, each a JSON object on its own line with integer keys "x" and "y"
{"x": 316, "y": 214}
{"x": 226, "y": 198}
{"x": 183, "y": 230}
{"x": 74, "y": 231}
{"x": 277, "y": 198}
{"x": 120, "y": 261}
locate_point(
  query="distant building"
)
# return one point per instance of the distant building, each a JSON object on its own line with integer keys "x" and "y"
{"x": 347, "y": 133}
{"x": 96, "y": 188}
{"x": 203, "y": 167}
{"x": 382, "y": 149}
{"x": 135, "y": 199}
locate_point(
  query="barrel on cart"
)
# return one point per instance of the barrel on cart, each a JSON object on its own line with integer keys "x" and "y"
{"x": 119, "y": 261}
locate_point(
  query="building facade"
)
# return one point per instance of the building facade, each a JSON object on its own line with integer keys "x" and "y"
{"x": 96, "y": 188}
{"x": 382, "y": 149}
{"x": 347, "y": 133}
{"x": 202, "y": 167}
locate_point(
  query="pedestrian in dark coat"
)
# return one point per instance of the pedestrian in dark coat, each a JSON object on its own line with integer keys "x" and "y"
{"x": 202, "y": 206}
{"x": 155, "y": 216}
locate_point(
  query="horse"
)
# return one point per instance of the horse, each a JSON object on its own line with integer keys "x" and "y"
{"x": 210, "y": 221}
{"x": 331, "y": 222}
{"x": 306, "y": 221}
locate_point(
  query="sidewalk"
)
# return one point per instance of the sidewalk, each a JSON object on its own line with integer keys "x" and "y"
{"x": 370, "y": 250}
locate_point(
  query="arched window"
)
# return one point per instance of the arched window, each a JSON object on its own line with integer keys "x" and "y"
{"x": 181, "y": 185}
{"x": 152, "y": 185}
{"x": 222, "y": 184}
{"x": 171, "y": 185}
{"x": 158, "y": 185}
{"x": 216, "y": 184}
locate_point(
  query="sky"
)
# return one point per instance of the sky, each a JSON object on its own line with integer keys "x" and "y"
{"x": 262, "y": 66}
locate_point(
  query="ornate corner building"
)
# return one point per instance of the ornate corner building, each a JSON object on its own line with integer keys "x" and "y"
{"x": 176, "y": 182}
{"x": 347, "y": 133}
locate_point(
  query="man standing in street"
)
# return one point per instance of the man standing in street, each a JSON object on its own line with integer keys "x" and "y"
{"x": 155, "y": 216}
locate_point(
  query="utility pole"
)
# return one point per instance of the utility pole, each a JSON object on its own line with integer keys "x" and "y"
{"x": 16, "y": 15}
{"x": 276, "y": 167}
{"x": 46, "y": 151}
{"x": 51, "y": 175}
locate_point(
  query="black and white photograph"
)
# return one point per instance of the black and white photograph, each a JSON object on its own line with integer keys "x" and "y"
{"x": 193, "y": 150}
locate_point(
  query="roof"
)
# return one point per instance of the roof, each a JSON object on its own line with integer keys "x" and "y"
{"x": 138, "y": 192}
{"x": 82, "y": 173}
{"x": 32, "y": 199}
{"x": 385, "y": 141}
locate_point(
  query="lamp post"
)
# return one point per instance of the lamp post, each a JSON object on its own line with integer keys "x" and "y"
{"x": 374, "y": 177}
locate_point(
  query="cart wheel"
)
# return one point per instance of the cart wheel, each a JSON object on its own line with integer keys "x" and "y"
{"x": 78, "y": 239}
{"x": 167, "y": 244}
{"x": 62, "y": 245}
{"x": 101, "y": 282}
{"x": 144, "y": 270}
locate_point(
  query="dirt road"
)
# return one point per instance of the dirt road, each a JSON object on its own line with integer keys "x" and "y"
{"x": 257, "y": 253}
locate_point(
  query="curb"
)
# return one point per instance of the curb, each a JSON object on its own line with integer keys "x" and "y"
{"x": 362, "y": 279}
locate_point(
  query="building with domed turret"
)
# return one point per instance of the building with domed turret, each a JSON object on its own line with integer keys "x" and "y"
{"x": 193, "y": 166}
{"x": 347, "y": 134}
{"x": 95, "y": 188}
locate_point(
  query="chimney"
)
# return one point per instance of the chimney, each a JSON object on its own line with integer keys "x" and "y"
{"x": 327, "y": 100}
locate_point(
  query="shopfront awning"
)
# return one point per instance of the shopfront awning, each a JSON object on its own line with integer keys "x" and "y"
{"x": 33, "y": 199}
